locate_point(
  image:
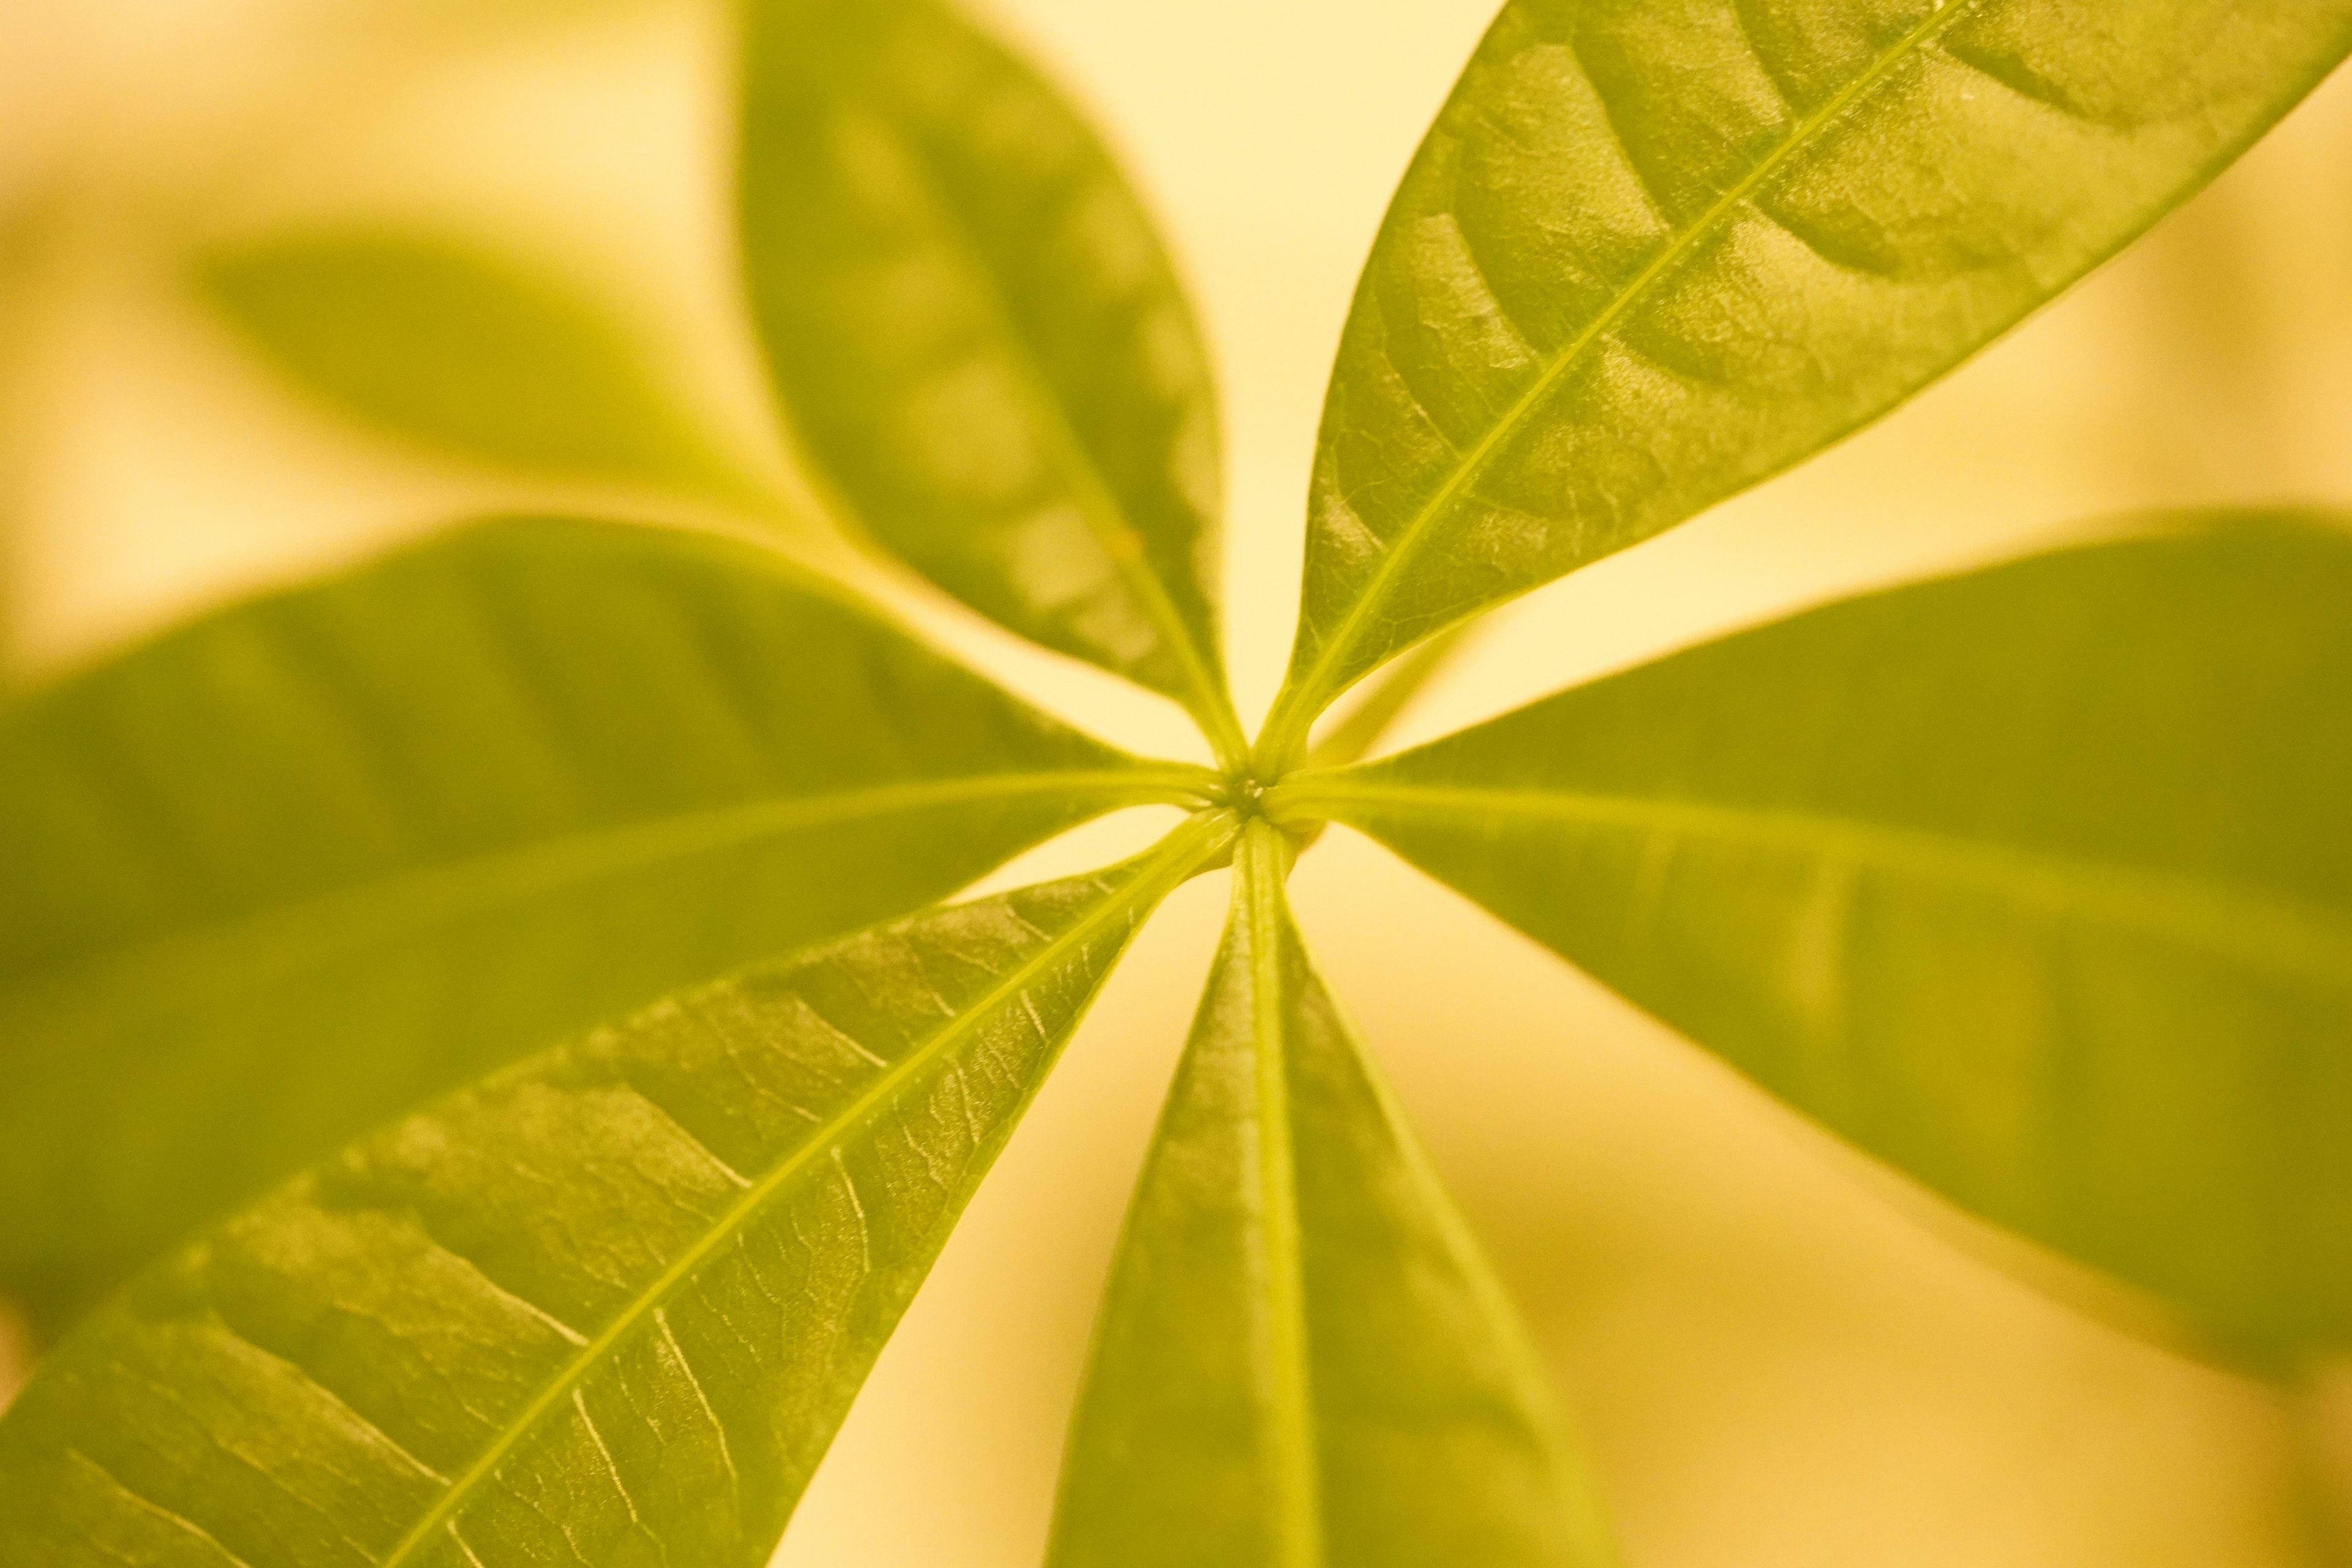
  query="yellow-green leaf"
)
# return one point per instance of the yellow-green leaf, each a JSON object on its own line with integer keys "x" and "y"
{"x": 1655, "y": 250}
{"x": 606, "y": 1307}
{"x": 287, "y": 871}
{"x": 979, "y": 338}
{"x": 2034, "y": 882}
{"x": 469, "y": 353}
{"x": 1302, "y": 1359}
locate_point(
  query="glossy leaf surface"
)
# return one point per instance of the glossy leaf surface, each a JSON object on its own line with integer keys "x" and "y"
{"x": 1651, "y": 253}
{"x": 1302, "y": 1359}
{"x": 606, "y": 1307}
{"x": 2035, "y": 882}
{"x": 289, "y": 870}
{"x": 468, "y": 353}
{"x": 978, "y": 337}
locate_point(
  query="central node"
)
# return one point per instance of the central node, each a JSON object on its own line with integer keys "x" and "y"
{"x": 1244, "y": 795}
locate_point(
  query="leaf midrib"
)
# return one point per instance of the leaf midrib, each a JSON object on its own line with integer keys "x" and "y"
{"x": 1301, "y": 706}
{"x": 1105, "y": 515}
{"x": 1297, "y": 1469}
{"x": 1178, "y": 854}
{"x": 285, "y": 937}
{"x": 2254, "y": 927}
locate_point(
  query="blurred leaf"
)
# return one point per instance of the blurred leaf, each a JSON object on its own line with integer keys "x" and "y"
{"x": 980, "y": 341}
{"x": 606, "y": 1307}
{"x": 286, "y": 872}
{"x": 1366, "y": 724}
{"x": 1303, "y": 1358}
{"x": 1654, "y": 253}
{"x": 467, "y": 352}
{"x": 2036, "y": 883}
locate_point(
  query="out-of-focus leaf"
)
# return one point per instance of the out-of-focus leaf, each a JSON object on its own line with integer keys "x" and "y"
{"x": 1651, "y": 253}
{"x": 973, "y": 325}
{"x": 606, "y": 1307}
{"x": 469, "y": 354}
{"x": 1302, "y": 1359}
{"x": 2035, "y": 882}
{"x": 286, "y": 872}
{"x": 1364, "y": 725}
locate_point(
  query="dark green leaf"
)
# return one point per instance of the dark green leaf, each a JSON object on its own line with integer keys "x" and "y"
{"x": 1654, "y": 252}
{"x": 2035, "y": 882}
{"x": 463, "y": 351}
{"x": 606, "y": 1307}
{"x": 286, "y": 872}
{"x": 1302, "y": 1359}
{"x": 973, "y": 325}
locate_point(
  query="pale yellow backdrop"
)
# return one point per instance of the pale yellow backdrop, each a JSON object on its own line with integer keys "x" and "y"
{"x": 1778, "y": 1356}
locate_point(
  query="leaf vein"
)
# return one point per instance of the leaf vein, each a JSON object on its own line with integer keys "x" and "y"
{"x": 1298, "y": 1472}
{"x": 701, "y": 1395}
{"x": 604, "y": 1451}
{"x": 2255, "y": 927}
{"x": 288, "y": 935}
{"x": 149, "y": 1505}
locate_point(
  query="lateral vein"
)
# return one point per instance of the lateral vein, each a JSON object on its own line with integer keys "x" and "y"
{"x": 149, "y": 1505}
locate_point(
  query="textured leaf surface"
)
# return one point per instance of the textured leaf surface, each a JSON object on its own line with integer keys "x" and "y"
{"x": 1302, "y": 1359}
{"x": 974, "y": 327}
{"x": 468, "y": 353}
{"x": 606, "y": 1307}
{"x": 2036, "y": 882}
{"x": 286, "y": 872}
{"x": 1651, "y": 253}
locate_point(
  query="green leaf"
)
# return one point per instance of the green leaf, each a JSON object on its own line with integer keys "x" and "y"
{"x": 606, "y": 1307}
{"x": 463, "y": 351}
{"x": 1651, "y": 253}
{"x": 1303, "y": 1358}
{"x": 287, "y": 872}
{"x": 2033, "y": 882}
{"x": 973, "y": 325}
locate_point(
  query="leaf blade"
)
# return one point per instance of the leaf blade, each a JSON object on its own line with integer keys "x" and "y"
{"x": 979, "y": 339}
{"x": 1302, "y": 1357}
{"x": 452, "y": 806}
{"x": 456, "y": 349}
{"x": 2027, "y": 881}
{"x": 752, "y": 1180}
{"x": 1602, "y": 302}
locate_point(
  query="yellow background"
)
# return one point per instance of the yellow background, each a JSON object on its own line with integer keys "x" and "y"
{"x": 1779, "y": 1356}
